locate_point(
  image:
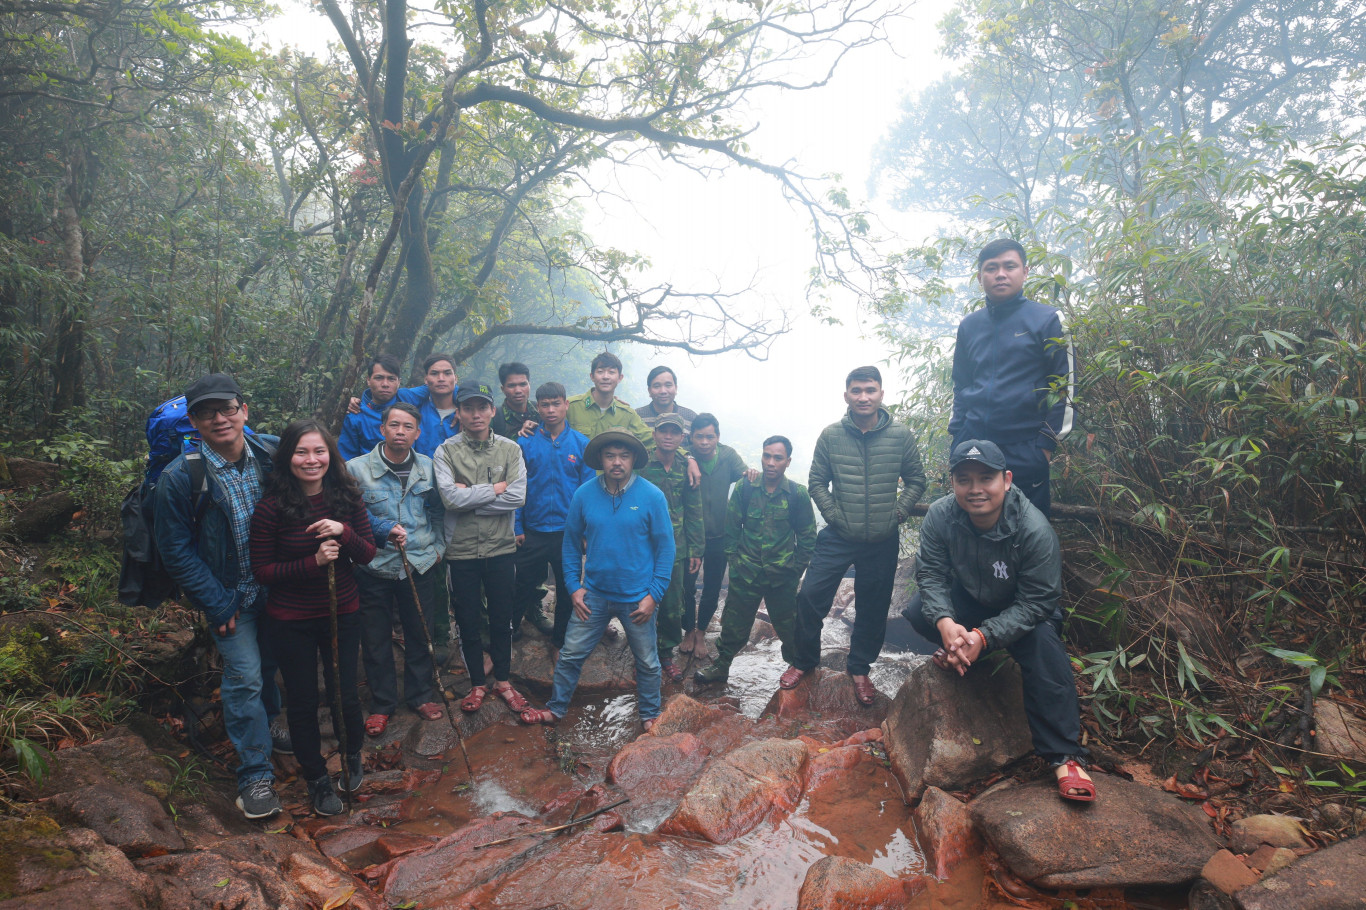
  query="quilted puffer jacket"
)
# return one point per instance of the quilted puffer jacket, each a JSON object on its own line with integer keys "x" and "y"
{"x": 854, "y": 477}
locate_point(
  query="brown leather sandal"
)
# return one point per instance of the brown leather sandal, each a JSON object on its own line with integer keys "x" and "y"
{"x": 790, "y": 679}
{"x": 511, "y": 697}
{"x": 475, "y": 700}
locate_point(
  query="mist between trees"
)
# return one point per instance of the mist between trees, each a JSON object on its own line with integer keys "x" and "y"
{"x": 1191, "y": 186}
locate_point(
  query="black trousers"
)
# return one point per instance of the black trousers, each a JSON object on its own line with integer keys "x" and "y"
{"x": 540, "y": 549}
{"x": 380, "y": 600}
{"x": 297, "y": 645}
{"x": 473, "y": 582}
{"x": 1050, "y": 694}
{"x": 874, "y": 571}
{"x": 699, "y": 615}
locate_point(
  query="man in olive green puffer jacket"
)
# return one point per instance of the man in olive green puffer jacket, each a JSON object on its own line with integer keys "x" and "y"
{"x": 854, "y": 473}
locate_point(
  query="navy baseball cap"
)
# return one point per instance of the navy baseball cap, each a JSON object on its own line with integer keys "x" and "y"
{"x": 982, "y": 451}
{"x": 472, "y": 390}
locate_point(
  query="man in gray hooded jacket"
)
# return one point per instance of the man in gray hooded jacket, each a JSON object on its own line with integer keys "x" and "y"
{"x": 989, "y": 573}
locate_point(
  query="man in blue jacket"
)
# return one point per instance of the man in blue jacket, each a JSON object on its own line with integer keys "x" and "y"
{"x": 621, "y": 523}
{"x": 361, "y": 429}
{"x": 204, "y": 503}
{"x": 1012, "y": 359}
{"x": 399, "y": 487}
{"x": 555, "y": 469}
{"x": 434, "y": 400}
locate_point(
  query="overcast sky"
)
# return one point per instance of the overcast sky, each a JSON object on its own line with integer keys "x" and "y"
{"x": 736, "y": 230}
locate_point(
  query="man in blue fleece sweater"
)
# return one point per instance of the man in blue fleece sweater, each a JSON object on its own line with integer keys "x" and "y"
{"x": 1013, "y": 373}
{"x": 621, "y": 523}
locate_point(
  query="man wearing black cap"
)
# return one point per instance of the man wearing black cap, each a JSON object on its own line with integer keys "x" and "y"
{"x": 618, "y": 559}
{"x": 204, "y": 503}
{"x": 482, "y": 480}
{"x": 989, "y": 574}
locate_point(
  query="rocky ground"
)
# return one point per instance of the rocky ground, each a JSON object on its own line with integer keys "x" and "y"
{"x": 926, "y": 799}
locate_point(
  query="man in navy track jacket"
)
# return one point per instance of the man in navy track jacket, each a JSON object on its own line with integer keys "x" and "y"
{"x": 1013, "y": 369}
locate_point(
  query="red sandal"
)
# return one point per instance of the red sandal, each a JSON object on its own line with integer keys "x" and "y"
{"x": 538, "y": 716}
{"x": 1073, "y": 780}
{"x": 430, "y": 711}
{"x": 864, "y": 690}
{"x": 375, "y": 724}
{"x": 475, "y": 700}
{"x": 512, "y": 697}
{"x": 790, "y": 679}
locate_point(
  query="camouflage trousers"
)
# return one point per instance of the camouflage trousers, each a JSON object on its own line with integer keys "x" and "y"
{"x": 669, "y": 613}
{"x": 742, "y": 603}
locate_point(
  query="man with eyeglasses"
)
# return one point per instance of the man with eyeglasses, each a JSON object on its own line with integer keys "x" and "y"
{"x": 204, "y": 503}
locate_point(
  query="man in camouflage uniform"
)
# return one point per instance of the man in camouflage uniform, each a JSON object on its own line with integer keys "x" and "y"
{"x": 668, "y": 469}
{"x": 770, "y": 535}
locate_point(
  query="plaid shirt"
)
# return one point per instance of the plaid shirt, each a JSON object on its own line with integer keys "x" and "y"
{"x": 244, "y": 490}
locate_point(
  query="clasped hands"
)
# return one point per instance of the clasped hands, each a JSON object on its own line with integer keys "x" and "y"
{"x": 962, "y": 646}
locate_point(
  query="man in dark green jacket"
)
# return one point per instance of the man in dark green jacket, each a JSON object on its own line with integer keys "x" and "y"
{"x": 667, "y": 469}
{"x": 990, "y": 576}
{"x": 770, "y": 534}
{"x": 854, "y": 474}
{"x": 721, "y": 466}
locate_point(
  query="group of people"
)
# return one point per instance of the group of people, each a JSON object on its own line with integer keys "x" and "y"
{"x": 439, "y": 491}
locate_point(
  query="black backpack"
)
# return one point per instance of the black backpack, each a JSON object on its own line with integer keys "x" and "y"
{"x": 143, "y": 579}
{"x": 789, "y": 489}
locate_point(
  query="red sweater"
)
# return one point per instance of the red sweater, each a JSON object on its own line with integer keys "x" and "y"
{"x": 283, "y": 558}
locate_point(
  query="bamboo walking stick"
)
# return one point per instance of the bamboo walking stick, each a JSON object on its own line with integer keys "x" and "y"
{"x": 431, "y": 652}
{"x": 338, "y": 720}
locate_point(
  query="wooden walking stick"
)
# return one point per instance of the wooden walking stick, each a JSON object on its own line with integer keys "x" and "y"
{"x": 338, "y": 721}
{"x": 431, "y": 652}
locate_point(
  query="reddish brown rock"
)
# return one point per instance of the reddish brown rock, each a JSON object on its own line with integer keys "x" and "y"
{"x": 682, "y": 714}
{"x": 1334, "y": 877}
{"x": 440, "y": 875}
{"x": 825, "y": 698}
{"x": 345, "y": 838}
{"x": 131, "y": 819}
{"x": 946, "y": 833}
{"x": 433, "y": 739}
{"x": 394, "y": 844}
{"x": 43, "y": 865}
{"x": 658, "y": 763}
{"x": 827, "y": 763}
{"x": 840, "y": 883}
{"x": 1131, "y": 835}
{"x": 1227, "y": 872}
{"x": 948, "y": 731}
{"x": 740, "y": 790}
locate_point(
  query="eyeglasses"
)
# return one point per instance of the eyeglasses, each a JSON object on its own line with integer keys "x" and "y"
{"x": 227, "y": 410}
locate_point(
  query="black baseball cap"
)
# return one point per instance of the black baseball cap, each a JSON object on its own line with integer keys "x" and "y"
{"x": 982, "y": 451}
{"x": 213, "y": 387}
{"x": 472, "y": 390}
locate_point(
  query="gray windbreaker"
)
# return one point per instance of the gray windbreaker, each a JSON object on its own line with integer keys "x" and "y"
{"x": 1015, "y": 568}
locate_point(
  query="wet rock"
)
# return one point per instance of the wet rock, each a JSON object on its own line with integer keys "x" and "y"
{"x": 440, "y": 875}
{"x": 840, "y": 883}
{"x": 255, "y": 872}
{"x": 719, "y": 730}
{"x": 44, "y": 516}
{"x": 1338, "y": 731}
{"x": 1331, "y": 878}
{"x": 740, "y": 790}
{"x": 44, "y": 865}
{"x": 1249, "y": 833}
{"x": 1131, "y": 835}
{"x": 946, "y": 833}
{"x": 610, "y": 669}
{"x": 399, "y": 780}
{"x": 825, "y": 697}
{"x": 345, "y": 838}
{"x": 569, "y": 806}
{"x": 132, "y": 820}
{"x": 658, "y": 764}
{"x": 1227, "y": 872}
{"x": 947, "y": 731}
{"x": 395, "y": 843}
{"x": 828, "y": 763}
{"x": 594, "y": 871}
{"x": 433, "y": 739}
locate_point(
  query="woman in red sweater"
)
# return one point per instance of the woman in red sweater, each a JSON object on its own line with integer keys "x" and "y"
{"x": 313, "y": 516}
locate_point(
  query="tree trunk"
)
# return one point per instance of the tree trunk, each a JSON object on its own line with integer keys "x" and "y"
{"x": 68, "y": 369}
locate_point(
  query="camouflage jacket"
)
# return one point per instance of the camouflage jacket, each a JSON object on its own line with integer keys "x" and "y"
{"x": 769, "y": 535}
{"x": 685, "y": 503}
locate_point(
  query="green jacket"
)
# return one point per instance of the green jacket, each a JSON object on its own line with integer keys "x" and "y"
{"x": 584, "y": 415}
{"x": 774, "y": 535}
{"x": 854, "y": 477}
{"x": 685, "y": 503}
{"x": 1015, "y": 568}
{"x": 726, "y": 470}
{"x": 479, "y": 524}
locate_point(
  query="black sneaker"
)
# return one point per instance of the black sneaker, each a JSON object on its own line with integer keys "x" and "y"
{"x": 357, "y": 774}
{"x": 258, "y": 800}
{"x": 280, "y": 740}
{"x": 325, "y": 800}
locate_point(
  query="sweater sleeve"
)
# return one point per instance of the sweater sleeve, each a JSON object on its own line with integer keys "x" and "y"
{"x": 357, "y": 538}
{"x": 571, "y": 551}
{"x": 662, "y": 546}
{"x": 265, "y": 563}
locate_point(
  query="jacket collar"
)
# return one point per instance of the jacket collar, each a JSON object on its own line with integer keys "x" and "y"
{"x": 884, "y": 419}
{"x": 1006, "y": 525}
{"x": 1005, "y": 306}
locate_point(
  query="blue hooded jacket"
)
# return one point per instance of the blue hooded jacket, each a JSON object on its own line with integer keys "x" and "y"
{"x": 360, "y": 432}
{"x": 554, "y": 470}
{"x": 435, "y": 430}
{"x": 1004, "y": 364}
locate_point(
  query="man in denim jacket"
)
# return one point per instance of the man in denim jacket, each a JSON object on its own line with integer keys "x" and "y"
{"x": 201, "y": 533}
{"x": 399, "y": 487}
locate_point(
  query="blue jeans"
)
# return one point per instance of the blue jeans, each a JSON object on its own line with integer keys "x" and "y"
{"x": 583, "y": 636}
{"x": 250, "y": 696}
